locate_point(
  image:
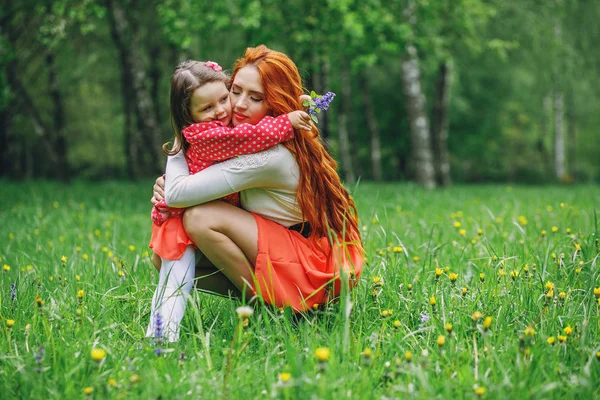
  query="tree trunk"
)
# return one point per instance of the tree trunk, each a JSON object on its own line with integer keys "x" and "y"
{"x": 372, "y": 127}
{"x": 57, "y": 136}
{"x": 544, "y": 129}
{"x": 559, "y": 137}
{"x": 422, "y": 156}
{"x": 343, "y": 126}
{"x": 571, "y": 133}
{"x": 441, "y": 121}
{"x": 148, "y": 135}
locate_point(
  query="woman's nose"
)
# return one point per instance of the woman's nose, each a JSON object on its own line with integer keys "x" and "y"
{"x": 241, "y": 103}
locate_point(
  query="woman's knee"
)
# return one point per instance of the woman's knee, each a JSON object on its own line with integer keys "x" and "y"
{"x": 200, "y": 218}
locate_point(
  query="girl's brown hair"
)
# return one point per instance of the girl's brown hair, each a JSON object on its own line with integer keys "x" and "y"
{"x": 324, "y": 202}
{"x": 187, "y": 77}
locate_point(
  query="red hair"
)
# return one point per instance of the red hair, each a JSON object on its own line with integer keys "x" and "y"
{"x": 322, "y": 198}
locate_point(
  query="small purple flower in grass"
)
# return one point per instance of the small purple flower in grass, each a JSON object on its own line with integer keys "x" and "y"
{"x": 39, "y": 358}
{"x": 158, "y": 334}
{"x": 318, "y": 103}
{"x": 13, "y": 292}
{"x": 424, "y": 319}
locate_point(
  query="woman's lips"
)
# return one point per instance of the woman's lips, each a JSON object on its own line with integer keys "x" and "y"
{"x": 239, "y": 117}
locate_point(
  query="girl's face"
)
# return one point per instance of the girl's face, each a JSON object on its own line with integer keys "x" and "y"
{"x": 210, "y": 102}
{"x": 248, "y": 97}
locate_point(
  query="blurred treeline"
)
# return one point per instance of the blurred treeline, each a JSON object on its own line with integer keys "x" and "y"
{"x": 431, "y": 90}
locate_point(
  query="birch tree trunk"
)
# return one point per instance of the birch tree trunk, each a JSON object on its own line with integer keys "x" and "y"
{"x": 373, "y": 129}
{"x": 420, "y": 140}
{"x": 559, "y": 137}
{"x": 343, "y": 127}
{"x": 571, "y": 133}
{"x": 441, "y": 122}
{"x": 422, "y": 156}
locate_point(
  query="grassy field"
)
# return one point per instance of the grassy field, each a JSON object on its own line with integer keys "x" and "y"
{"x": 473, "y": 291}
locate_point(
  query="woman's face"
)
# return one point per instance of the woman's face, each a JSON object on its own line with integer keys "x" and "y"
{"x": 248, "y": 97}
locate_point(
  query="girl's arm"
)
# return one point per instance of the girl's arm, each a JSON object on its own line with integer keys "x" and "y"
{"x": 212, "y": 141}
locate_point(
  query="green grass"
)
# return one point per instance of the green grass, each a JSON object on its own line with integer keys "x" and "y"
{"x": 102, "y": 230}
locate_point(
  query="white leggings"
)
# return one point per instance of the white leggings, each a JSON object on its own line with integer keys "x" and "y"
{"x": 169, "y": 301}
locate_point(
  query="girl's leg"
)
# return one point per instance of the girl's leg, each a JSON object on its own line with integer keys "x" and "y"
{"x": 170, "y": 299}
{"x": 227, "y": 236}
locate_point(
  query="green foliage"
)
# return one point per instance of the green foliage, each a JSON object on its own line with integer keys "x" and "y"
{"x": 506, "y": 55}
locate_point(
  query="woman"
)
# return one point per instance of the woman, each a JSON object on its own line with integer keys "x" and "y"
{"x": 298, "y": 229}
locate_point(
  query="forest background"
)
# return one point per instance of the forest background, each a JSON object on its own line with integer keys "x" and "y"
{"x": 431, "y": 91}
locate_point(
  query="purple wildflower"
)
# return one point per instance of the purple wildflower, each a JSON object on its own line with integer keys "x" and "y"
{"x": 39, "y": 358}
{"x": 424, "y": 317}
{"x": 318, "y": 103}
{"x": 158, "y": 323}
{"x": 13, "y": 292}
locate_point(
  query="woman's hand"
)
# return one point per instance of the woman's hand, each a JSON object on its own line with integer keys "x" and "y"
{"x": 159, "y": 190}
{"x": 304, "y": 98}
{"x": 300, "y": 120}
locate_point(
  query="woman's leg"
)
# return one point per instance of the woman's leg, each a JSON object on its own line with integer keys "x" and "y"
{"x": 227, "y": 236}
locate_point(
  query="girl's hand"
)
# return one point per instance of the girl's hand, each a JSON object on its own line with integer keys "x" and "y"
{"x": 159, "y": 190}
{"x": 300, "y": 120}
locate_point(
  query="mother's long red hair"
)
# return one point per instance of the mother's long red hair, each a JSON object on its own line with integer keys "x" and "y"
{"x": 324, "y": 202}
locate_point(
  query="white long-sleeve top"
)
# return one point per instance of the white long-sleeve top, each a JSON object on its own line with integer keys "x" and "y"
{"x": 267, "y": 182}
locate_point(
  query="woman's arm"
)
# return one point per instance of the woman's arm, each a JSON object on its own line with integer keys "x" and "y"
{"x": 243, "y": 172}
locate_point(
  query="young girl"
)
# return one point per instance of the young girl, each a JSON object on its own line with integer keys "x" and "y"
{"x": 200, "y": 114}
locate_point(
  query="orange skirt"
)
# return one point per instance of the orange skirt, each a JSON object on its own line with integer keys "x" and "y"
{"x": 291, "y": 270}
{"x": 169, "y": 240}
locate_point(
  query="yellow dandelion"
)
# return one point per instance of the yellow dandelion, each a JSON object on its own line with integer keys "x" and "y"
{"x": 479, "y": 391}
{"x": 543, "y": 232}
{"x": 568, "y": 330}
{"x": 77, "y": 278}
{"x": 462, "y": 232}
{"x": 88, "y": 391}
{"x": 63, "y": 259}
{"x": 550, "y": 294}
{"x": 464, "y": 291}
{"x": 441, "y": 340}
{"x": 577, "y": 247}
{"x": 562, "y": 338}
{"x": 522, "y": 220}
{"x": 553, "y": 255}
{"x": 386, "y": 313}
{"x": 78, "y": 249}
{"x": 549, "y": 285}
{"x": 529, "y": 331}
{"x": 112, "y": 382}
{"x": 131, "y": 247}
{"x": 432, "y": 301}
{"x": 480, "y": 231}
{"x": 408, "y": 356}
{"x": 501, "y": 273}
{"x": 448, "y": 327}
{"x": 6, "y": 267}
{"x": 598, "y": 355}
{"x": 98, "y": 354}
{"x": 494, "y": 258}
{"x": 562, "y": 295}
{"x": 80, "y": 293}
{"x": 482, "y": 277}
{"x": 416, "y": 258}
{"x": 568, "y": 230}
{"x": 85, "y": 256}
{"x": 514, "y": 274}
{"x": 322, "y": 354}
{"x": 597, "y": 292}
{"x": 457, "y": 224}
{"x": 453, "y": 276}
{"x": 397, "y": 324}
{"x": 398, "y": 249}
{"x": 551, "y": 340}
{"x": 377, "y": 281}
{"x": 10, "y": 323}
{"x": 554, "y": 229}
{"x": 438, "y": 272}
{"x": 487, "y": 322}
{"x": 476, "y": 316}
{"x": 284, "y": 376}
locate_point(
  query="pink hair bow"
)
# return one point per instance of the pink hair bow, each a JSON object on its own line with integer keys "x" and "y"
{"x": 214, "y": 66}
